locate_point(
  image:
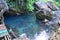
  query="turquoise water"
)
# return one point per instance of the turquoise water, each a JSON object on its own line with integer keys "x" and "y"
{"x": 3, "y": 32}
{"x": 26, "y": 24}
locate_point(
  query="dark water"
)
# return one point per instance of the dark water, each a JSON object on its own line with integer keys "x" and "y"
{"x": 26, "y": 24}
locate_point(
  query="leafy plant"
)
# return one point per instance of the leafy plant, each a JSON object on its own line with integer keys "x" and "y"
{"x": 29, "y": 4}
{"x": 57, "y": 3}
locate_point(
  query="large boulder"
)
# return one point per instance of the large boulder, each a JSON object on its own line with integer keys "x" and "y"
{"x": 3, "y": 8}
{"x": 41, "y": 5}
{"x": 56, "y": 20}
{"x": 44, "y": 12}
{"x": 41, "y": 15}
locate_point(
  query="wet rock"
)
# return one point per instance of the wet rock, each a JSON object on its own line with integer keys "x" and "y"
{"x": 45, "y": 20}
{"x": 44, "y": 12}
{"x": 44, "y": 15}
{"x": 10, "y": 12}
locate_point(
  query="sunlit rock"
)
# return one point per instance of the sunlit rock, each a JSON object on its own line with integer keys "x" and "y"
{"x": 24, "y": 37}
{"x": 42, "y": 36}
{"x": 41, "y": 5}
{"x": 55, "y": 35}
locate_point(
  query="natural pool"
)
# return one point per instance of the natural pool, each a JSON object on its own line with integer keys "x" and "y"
{"x": 29, "y": 25}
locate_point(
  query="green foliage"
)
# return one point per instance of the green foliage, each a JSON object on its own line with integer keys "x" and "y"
{"x": 29, "y": 5}
{"x": 15, "y": 4}
{"x": 57, "y": 3}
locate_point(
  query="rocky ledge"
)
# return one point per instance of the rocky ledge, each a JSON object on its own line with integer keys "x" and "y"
{"x": 55, "y": 34}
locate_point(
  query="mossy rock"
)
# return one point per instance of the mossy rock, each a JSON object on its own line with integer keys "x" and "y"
{"x": 41, "y": 16}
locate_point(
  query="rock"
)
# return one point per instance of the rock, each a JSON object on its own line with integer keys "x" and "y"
{"x": 2, "y": 27}
{"x": 59, "y": 22}
{"x": 41, "y": 5}
{"x": 52, "y": 6}
{"x": 47, "y": 15}
{"x": 3, "y": 7}
{"x": 44, "y": 12}
{"x": 42, "y": 36}
{"x": 24, "y": 37}
{"x": 45, "y": 21}
{"x": 58, "y": 30}
{"x": 57, "y": 16}
{"x": 55, "y": 35}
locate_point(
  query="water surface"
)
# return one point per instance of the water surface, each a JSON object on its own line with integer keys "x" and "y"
{"x": 28, "y": 24}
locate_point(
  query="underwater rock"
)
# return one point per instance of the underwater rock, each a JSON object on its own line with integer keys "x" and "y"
{"x": 52, "y": 6}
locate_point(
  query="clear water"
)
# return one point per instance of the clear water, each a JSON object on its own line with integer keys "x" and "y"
{"x": 29, "y": 25}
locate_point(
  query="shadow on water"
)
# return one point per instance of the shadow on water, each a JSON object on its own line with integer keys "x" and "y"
{"x": 27, "y": 24}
